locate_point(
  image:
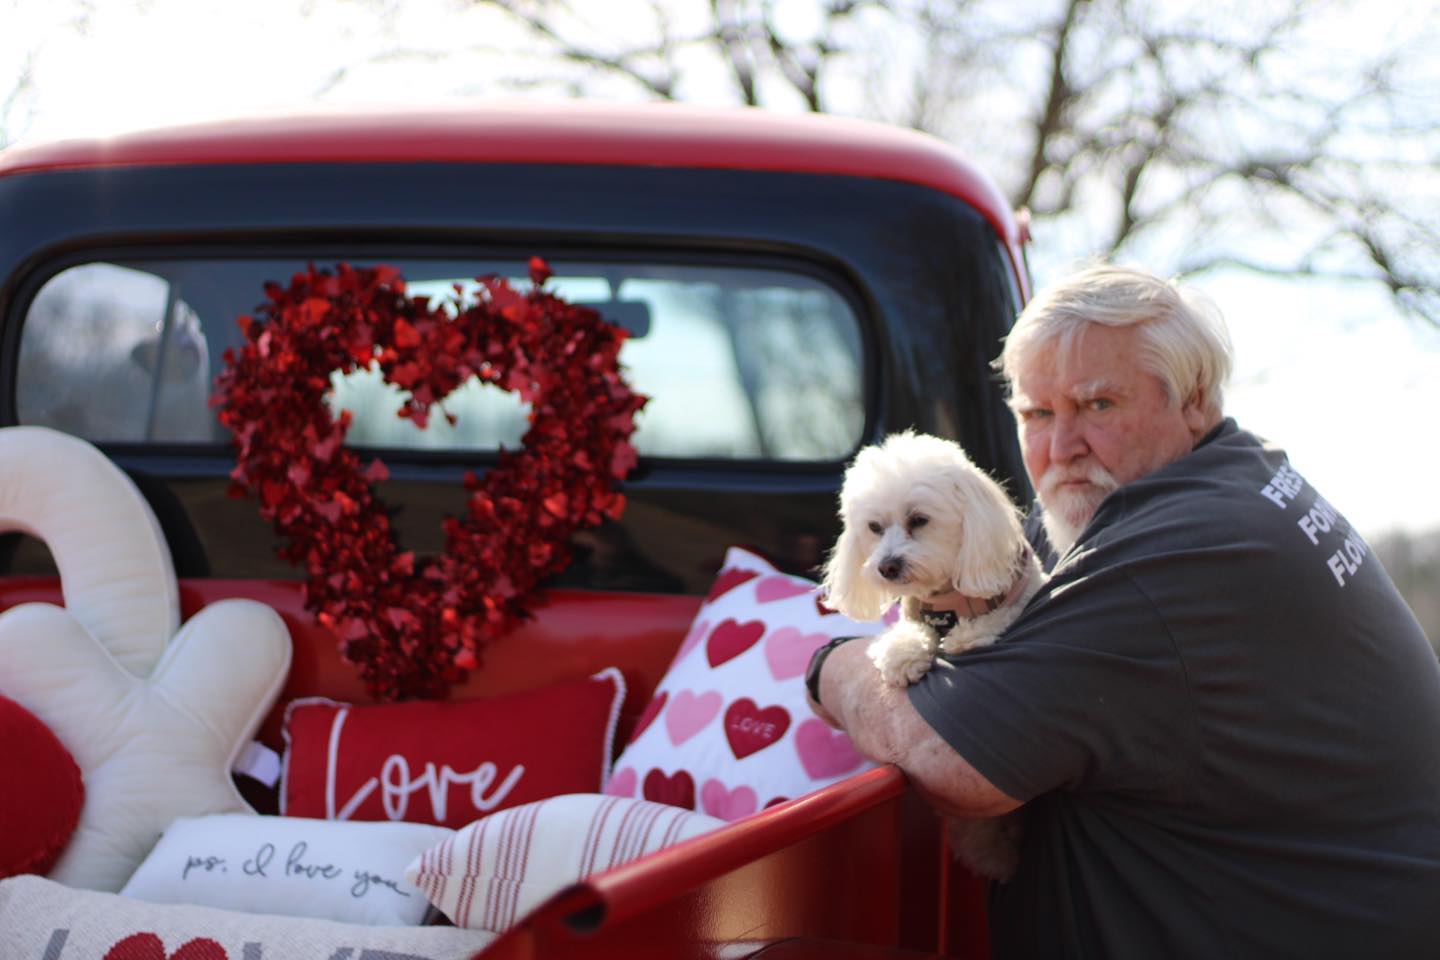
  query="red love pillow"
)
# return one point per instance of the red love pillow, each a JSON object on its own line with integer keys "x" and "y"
{"x": 448, "y": 763}
{"x": 41, "y": 805}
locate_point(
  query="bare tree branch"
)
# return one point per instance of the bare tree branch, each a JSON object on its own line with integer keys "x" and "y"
{"x": 1225, "y": 132}
{"x": 1052, "y": 121}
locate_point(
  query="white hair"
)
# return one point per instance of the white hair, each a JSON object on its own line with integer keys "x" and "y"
{"x": 1183, "y": 337}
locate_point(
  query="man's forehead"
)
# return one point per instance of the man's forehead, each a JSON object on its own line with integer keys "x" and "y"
{"x": 1080, "y": 367}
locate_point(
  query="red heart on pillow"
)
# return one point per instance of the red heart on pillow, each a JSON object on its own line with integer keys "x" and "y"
{"x": 751, "y": 729}
{"x": 40, "y": 815}
{"x": 677, "y": 790}
{"x": 731, "y": 639}
{"x": 147, "y": 946}
{"x": 728, "y": 580}
{"x": 648, "y": 717}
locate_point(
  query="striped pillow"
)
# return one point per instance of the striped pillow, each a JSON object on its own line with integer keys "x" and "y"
{"x": 494, "y": 871}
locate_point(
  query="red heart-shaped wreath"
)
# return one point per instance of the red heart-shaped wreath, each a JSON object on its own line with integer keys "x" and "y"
{"x": 414, "y": 626}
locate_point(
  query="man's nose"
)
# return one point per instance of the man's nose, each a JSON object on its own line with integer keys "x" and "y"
{"x": 1066, "y": 441}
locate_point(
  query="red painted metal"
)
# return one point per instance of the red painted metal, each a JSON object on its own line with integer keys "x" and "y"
{"x": 655, "y": 134}
{"x": 822, "y": 867}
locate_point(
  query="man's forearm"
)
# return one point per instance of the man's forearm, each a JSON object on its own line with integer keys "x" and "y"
{"x": 886, "y": 728}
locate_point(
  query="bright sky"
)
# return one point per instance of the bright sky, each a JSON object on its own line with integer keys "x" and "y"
{"x": 1330, "y": 371}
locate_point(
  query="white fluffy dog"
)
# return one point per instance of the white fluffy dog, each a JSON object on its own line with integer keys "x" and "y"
{"x": 925, "y": 526}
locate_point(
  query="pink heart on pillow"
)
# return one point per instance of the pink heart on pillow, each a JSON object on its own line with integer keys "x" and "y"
{"x": 623, "y": 783}
{"x": 824, "y": 752}
{"x": 731, "y": 639}
{"x": 780, "y": 588}
{"x": 689, "y": 714}
{"x": 147, "y": 946}
{"x": 788, "y": 651}
{"x": 692, "y": 640}
{"x": 726, "y": 804}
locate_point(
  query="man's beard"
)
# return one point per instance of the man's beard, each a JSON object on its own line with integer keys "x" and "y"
{"x": 1067, "y": 510}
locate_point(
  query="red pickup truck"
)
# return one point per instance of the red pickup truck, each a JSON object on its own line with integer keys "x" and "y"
{"x": 792, "y": 287}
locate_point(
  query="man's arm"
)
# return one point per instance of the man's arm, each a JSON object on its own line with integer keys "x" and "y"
{"x": 886, "y": 728}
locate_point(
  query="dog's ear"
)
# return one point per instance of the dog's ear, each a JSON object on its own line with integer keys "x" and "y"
{"x": 845, "y": 587}
{"x": 990, "y": 535}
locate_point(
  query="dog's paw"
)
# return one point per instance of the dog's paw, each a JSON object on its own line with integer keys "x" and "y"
{"x": 966, "y": 637}
{"x": 903, "y": 654}
{"x": 902, "y": 673}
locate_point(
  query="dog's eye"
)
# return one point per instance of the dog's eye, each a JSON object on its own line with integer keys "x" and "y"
{"x": 875, "y": 527}
{"x": 916, "y": 522}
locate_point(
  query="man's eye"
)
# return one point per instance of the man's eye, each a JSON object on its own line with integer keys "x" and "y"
{"x": 1100, "y": 403}
{"x": 917, "y": 521}
{"x": 876, "y": 528}
{"x": 1035, "y": 413}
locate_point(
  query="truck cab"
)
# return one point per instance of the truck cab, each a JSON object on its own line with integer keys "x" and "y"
{"x": 792, "y": 289}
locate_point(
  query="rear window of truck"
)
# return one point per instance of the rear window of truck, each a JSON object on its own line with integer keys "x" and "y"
{"x": 741, "y": 362}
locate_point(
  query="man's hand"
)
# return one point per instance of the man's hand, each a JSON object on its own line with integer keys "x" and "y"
{"x": 886, "y": 728}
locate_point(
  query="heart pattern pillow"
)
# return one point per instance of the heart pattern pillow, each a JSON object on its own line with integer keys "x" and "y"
{"x": 729, "y": 731}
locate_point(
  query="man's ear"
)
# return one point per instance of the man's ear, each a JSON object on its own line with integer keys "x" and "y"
{"x": 1196, "y": 411}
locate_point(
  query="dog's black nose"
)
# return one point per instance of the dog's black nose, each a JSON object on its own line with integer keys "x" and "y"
{"x": 890, "y": 569}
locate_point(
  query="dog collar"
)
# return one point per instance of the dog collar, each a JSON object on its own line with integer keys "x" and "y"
{"x": 943, "y": 611}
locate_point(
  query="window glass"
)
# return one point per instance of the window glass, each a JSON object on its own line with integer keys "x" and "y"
{"x": 739, "y": 362}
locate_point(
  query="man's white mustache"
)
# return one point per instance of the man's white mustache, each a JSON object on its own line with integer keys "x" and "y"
{"x": 1093, "y": 474}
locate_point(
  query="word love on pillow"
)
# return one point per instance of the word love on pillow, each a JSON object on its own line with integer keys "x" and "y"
{"x": 448, "y": 763}
{"x": 729, "y": 731}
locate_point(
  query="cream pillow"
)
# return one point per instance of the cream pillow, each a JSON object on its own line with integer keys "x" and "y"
{"x": 494, "y": 871}
{"x": 334, "y": 869}
{"x": 154, "y": 718}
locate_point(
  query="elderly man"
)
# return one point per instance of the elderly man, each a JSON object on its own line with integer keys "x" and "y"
{"x": 1221, "y": 719}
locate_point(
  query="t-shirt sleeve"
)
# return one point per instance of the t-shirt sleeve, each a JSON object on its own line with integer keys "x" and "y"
{"x": 1084, "y": 691}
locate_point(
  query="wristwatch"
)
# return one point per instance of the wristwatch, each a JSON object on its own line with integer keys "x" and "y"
{"x": 817, "y": 662}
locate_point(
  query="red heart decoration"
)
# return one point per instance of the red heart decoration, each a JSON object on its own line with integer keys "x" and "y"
{"x": 147, "y": 946}
{"x": 415, "y": 626}
{"x": 677, "y": 790}
{"x": 729, "y": 579}
{"x": 730, "y": 639}
{"x": 652, "y": 710}
{"x": 750, "y": 728}
{"x": 41, "y": 805}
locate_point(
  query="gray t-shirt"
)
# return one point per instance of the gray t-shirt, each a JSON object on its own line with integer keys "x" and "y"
{"x": 1226, "y": 722}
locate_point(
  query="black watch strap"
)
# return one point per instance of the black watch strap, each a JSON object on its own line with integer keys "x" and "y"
{"x": 817, "y": 662}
